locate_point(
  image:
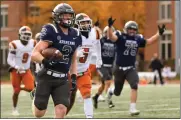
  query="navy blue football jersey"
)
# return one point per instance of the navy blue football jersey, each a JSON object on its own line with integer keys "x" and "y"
{"x": 66, "y": 44}
{"x": 108, "y": 49}
{"x": 127, "y": 48}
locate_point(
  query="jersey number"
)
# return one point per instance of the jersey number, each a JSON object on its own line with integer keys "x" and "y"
{"x": 108, "y": 52}
{"x": 67, "y": 50}
{"x": 25, "y": 58}
{"x": 130, "y": 49}
{"x": 83, "y": 59}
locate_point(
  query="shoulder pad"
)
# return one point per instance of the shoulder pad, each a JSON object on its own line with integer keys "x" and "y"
{"x": 118, "y": 31}
{"x": 140, "y": 35}
{"x": 12, "y": 45}
{"x": 52, "y": 26}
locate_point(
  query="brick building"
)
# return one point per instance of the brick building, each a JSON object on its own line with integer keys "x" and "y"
{"x": 160, "y": 12}
{"x": 157, "y": 12}
{"x": 12, "y": 16}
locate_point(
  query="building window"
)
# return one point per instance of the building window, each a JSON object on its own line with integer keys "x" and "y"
{"x": 34, "y": 10}
{"x": 166, "y": 46}
{"x": 4, "y": 51}
{"x": 165, "y": 10}
{"x": 4, "y": 16}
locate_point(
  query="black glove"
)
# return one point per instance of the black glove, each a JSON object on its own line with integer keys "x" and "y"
{"x": 110, "y": 21}
{"x": 47, "y": 63}
{"x": 97, "y": 23}
{"x": 74, "y": 85}
{"x": 161, "y": 29}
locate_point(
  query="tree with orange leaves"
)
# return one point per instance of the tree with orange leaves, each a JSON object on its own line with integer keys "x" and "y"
{"x": 121, "y": 10}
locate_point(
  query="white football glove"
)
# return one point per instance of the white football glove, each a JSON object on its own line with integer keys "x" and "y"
{"x": 80, "y": 53}
{"x": 20, "y": 70}
{"x": 98, "y": 63}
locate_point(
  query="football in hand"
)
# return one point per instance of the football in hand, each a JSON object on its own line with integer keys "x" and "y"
{"x": 52, "y": 53}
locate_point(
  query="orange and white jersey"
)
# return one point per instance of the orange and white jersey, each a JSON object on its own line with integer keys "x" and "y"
{"x": 19, "y": 54}
{"x": 89, "y": 46}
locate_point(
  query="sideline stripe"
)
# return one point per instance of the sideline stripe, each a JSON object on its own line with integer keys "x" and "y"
{"x": 116, "y": 112}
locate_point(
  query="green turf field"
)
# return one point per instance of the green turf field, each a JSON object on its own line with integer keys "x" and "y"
{"x": 153, "y": 102}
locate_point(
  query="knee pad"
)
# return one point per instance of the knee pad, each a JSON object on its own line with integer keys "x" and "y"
{"x": 40, "y": 105}
{"x": 117, "y": 93}
{"x": 134, "y": 86}
{"x": 17, "y": 90}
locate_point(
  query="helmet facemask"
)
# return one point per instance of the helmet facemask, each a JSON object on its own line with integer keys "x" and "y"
{"x": 25, "y": 36}
{"x": 66, "y": 20}
{"x": 131, "y": 28}
{"x": 131, "y": 31}
{"x": 84, "y": 25}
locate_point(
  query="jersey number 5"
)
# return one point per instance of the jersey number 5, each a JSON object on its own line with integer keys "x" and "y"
{"x": 25, "y": 58}
{"x": 83, "y": 59}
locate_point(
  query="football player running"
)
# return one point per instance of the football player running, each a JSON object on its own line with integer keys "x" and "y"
{"x": 52, "y": 79}
{"x": 108, "y": 55}
{"x": 128, "y": 43}
{"x": 19, "y": 58}
{"x": 90, "y": 44}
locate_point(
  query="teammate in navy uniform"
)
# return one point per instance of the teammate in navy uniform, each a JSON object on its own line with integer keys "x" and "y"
{"x": 105, "y": 72}
{"x": 52, "y": 79}
{"x": 127, "y": 44}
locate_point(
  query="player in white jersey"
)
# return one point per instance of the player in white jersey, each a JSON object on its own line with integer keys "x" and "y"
{"x": 19, "y": 59}
{"x": 90, "y": 44}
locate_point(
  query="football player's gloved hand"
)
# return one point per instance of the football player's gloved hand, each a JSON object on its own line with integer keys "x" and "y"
{"x": 98, "y": 64}
{"x": 161, "y": 29}
{"x": 111, "y": 21}
{"x": 97, "y": 23}
{"x": 80, "y": 53}
{"x": 47, "y": 63}
{"x": 20, "y": 70}
{"x": 74, "y": 85}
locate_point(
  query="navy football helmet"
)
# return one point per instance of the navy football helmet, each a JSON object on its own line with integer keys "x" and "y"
{"x": 59, "y": 17}
{"x": 130, "y": 25}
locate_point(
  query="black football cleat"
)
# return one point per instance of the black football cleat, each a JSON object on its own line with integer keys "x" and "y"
{"x": 111, "y": 105}
{"x": 95, "y": 101}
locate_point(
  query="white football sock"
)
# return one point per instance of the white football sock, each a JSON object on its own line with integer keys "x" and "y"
{"x": 88, "y": 108}
{"x": 132, "y": 106}
{"x": 111, "y": 90}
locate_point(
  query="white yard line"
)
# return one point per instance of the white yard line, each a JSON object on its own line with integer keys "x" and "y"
{"x": 149, "y": 100}
{"x": 118, "y": 112}
{"x": 160, "y": 105}
{"x": 139, "y": 101}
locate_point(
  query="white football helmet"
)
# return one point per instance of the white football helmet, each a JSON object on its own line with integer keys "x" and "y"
{"x": 79, "y": 22}
{"x": 105, "y": 31}
{"x": 37, "y": 36}
{"x": 25, "y": 33}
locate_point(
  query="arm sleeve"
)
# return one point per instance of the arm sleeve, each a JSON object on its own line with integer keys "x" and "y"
{"x": 119, "y": 35}
{"x": 142, "y": 41}
{"x": 11, "y": 55}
